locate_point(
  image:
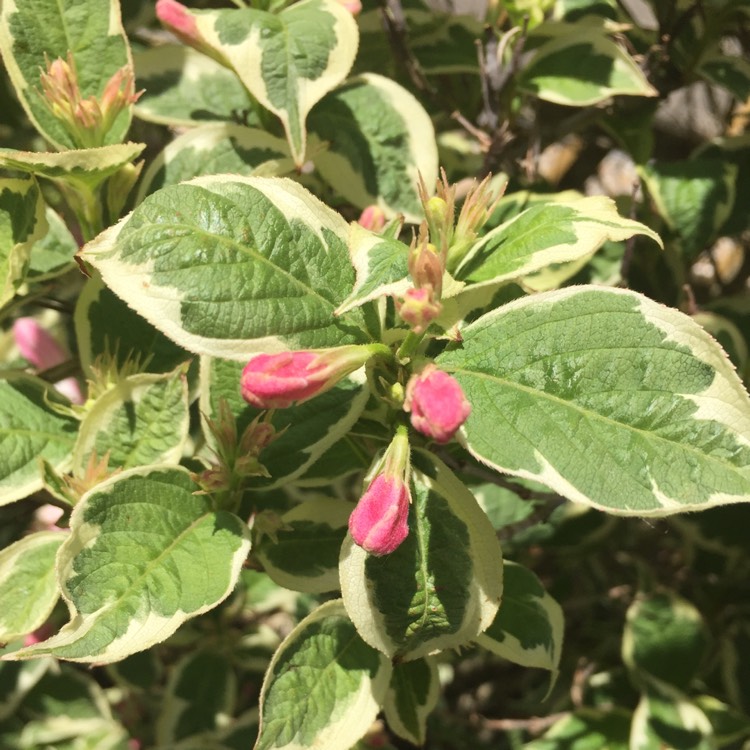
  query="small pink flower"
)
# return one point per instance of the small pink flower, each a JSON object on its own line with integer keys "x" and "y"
{"x": 42, "y": 351}
{"x": 276, "y": 381}
{"x": 380, "y": 522}
{"x": 437, "y": 404}
{"x": 418, "y": 308}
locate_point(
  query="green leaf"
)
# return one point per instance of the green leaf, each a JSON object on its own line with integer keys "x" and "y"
{"x": 28, "y": 586}
{"x": 665, "y": 639}
{"x": 288, "y": 61}
{"x": 411, "y": 697}
{"x": 668, "y": 719}
{"x": 732, "y": 73}
{"x": 185, "y": 87}
{"x": 34, "y": 31}
{"x": 22, "y": 223}
{"x": 142, "y": 419}
{"x": 52, "y": 255}
{"x": 376, "y": 141}
{"x": 200, "y": 694}
{"x": 528, "y": 628}
{"x": 323, "y": 687}
{"x": 694, "y": 197}
{"x": 587, "y": 729}
{"x": 230, "y": 266}
{"x": 728, "y": 724}
{"x": 381, "y": 265}
{"x": 145, "y": 554}
{"x": 16, "y": 680}
{"x": 85, "y": 168}
{"x": 216, "y": 148}
{"x": 304, "y": 554}
{"x": 310, "y": 428}
{"x": 105, "y": 325}
{"x": 441, "y": 587}
{"x": 580, "y": 66}
{"x": 30, "y": 429}
{"x": 546, "y": 236}
{"x": 608, "y": 398}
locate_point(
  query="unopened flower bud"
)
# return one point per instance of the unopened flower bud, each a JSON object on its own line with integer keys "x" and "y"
{"x": 437, "y": 404}
{"x": 418, "y": 308}
{"x": 380, "y": 522}
{"x": 426, "y": 267}
{"x": 276, "y": 381}
{"x": 181, "y": 22}
{"x": 372, "y": 218}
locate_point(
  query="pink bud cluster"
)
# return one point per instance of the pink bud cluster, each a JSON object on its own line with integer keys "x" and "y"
{"x": 87, "y": 120}
{"x": 437, "y": 404}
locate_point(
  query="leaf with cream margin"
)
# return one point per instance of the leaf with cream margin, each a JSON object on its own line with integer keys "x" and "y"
{"x": 30, "y": 429}
{"x": 142, "y": 419}
{"x": 442, "y": 586}
{"x": 52, "y": 255}
{"x": 216, "y": 148}
{"x": 303, "y": 554}
{"x": 373, "y": 140}
{"x": 231, "y": 266}
{"x": 412, "y": 695}
{"x": 185, "y": 87}
{"x": 289, "y": 60}
{"x": 608, "y": 398}
{"x": 528, "y": 628}
{"x": 22, "y": 223}
{"x": 28, "y": 585}
{"x": 580, "y": 66}
{"x": 86, "y": 168}
{"x": 144, "y": 555}
{"x": 324, "y": 686}
{"x": 304, "y": 431}
{"x": 33, "y": 32}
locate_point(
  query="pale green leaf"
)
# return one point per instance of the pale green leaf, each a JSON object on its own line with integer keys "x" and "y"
{"x": 608, "y": 398}
{"x": 185, "y": 87}
{"x": 230, "y": 266}
{"x": 34, "y": 31}
{"x": 28, "y": 586}
{"x": 413, "y": 694}
{"x": 29, "y": 430}
{"x": 142, "y": 419}
{"x": 586, "y": 729}
{"x": 442, "y": 586}
{"x": 22, "y": 223}
{"x": 581, "y": 66}
{"x": 303, "y": 555}
{"x": 216, "y": 148}
{"x": 377, "y": 140}
{"x": 86, "y": 168}
{"x": 323, "y": 687}
{"x": 145, "y": 554}
{"x": 528, "y": 628}
{"x": 288, "y": 61}
{"x": 728, "y": 724}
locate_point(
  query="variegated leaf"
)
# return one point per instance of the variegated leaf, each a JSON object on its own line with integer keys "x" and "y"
{"x": 608, "y": 398}
{"x": 324, "y": 685}
{"x": 288, "y": 61}
{"x": 145, "y": 554}
{"x": 33, "y": 32}
{"x": 217, "y": 148}
{"x": 413, "y": 694}
{"x": 442, "y": 586}
{"x": 22, "y": 223}
{"x": 28, "y": 586}
{"x": 595, "y": 728}
{"x": 52, "y": 255}
{"x": 230, "y": 266}
{"x": 377, "y": 140}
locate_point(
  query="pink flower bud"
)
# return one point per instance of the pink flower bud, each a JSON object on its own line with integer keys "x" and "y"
{"x": 437, "y": 404}
{"x": 379, "y": 523}
{"x": 418, "y": 308}
{"x": 181, "y": 22}
{"x": 42, "y": 351}
{"x": 372, "y": 217}
{"x": 276, "y": 381}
